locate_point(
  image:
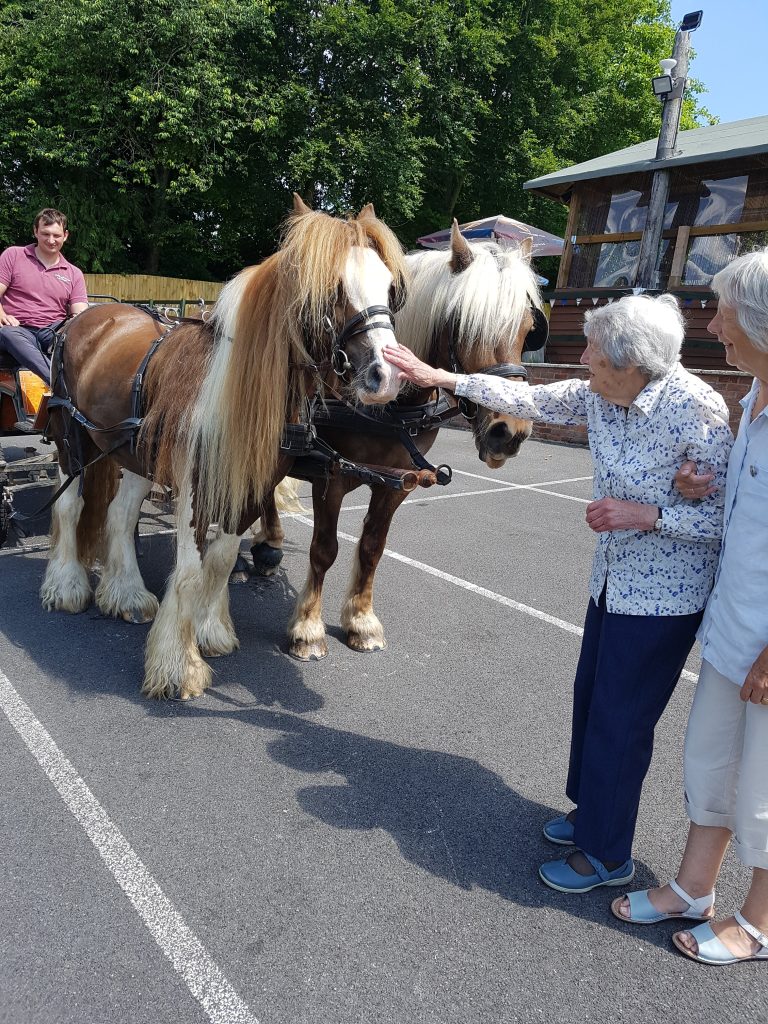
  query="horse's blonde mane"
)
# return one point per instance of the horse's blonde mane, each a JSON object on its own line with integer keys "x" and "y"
{"x": 486, "y": 302}
{"x": 257, "y": 374}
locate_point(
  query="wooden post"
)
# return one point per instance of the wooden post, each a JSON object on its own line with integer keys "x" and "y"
{"x": 570, "y": 232}
{"x": 679, "y": 255}
{"x": 647, "y": 275}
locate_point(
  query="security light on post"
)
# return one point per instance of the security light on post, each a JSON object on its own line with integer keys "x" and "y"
{"x": 669, "y": 89}
{"x": 664, "y": 84}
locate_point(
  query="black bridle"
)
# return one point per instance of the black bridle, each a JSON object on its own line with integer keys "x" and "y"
{"x": 358, "y": 324}
{"x": 534, "y": 340}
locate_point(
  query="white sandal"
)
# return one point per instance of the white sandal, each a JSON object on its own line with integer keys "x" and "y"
{"x": 642, "y": 911}
{"x": 712, "y": 951}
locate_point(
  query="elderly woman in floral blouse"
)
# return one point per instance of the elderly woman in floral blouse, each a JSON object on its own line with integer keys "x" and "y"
{"x": 654, "y": 563}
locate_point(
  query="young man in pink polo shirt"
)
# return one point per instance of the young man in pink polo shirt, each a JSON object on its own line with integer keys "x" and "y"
{"x": 38, "y": 287}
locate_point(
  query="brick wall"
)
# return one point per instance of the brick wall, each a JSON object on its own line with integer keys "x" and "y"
{"x": 732, "y": 385}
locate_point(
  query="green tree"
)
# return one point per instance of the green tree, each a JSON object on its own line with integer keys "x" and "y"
{"x": 126, "y": 112}
{"x": 173, "y": 132}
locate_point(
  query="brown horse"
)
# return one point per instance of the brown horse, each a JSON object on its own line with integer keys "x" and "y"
{"x": 470, "y": 310}
{"x": 216, "y": 398}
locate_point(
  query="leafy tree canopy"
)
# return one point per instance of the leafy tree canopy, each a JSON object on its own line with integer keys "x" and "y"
{"x": 172, "y": 133}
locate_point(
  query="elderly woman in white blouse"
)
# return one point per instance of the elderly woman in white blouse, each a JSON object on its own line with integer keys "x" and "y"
{"x": 726, "y": 745}
{"x": 654, "y": 562}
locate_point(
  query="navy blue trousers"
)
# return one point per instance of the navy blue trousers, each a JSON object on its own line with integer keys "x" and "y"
{"x": 28, "y": 347}
{"x": 628, "y": 667}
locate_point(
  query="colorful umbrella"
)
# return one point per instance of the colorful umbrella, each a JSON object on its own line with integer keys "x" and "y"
{"x": 499, "y": 228}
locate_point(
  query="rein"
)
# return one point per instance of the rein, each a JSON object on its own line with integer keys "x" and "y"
{"x": 401, "y": 423}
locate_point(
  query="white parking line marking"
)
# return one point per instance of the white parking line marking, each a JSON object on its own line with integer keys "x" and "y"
{"x": 204, "y": 979}
{"x": 457, "y": 581}
{"x": 508, "y": 483}
{"x": 502, "y": 485}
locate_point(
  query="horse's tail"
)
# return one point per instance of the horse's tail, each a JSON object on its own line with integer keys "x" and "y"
{"x": 287, "y": 496}
{"x": 99, "y": 488}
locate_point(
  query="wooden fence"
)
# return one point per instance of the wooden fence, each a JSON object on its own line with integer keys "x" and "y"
{"x": 146, "y": 288}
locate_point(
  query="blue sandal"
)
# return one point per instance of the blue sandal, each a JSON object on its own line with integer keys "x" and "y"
{"x": 642, "y": 911}
{"x": 558, "y": 874}
{"x": 712, "y": 951}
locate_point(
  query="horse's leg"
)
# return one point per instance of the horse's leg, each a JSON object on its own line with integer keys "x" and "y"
{"x": 306, "y": 630}
{"x": 121, "y": 590}
{"x": 172, "y": 662}
{"x": 65, "y": 586}
{"x": 364, "y": 630}
{"x": 267, "y": 547}
{"x": 214, "y": 630}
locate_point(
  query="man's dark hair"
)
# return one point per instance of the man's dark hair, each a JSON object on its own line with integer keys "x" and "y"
{"x": 50, "y": 216}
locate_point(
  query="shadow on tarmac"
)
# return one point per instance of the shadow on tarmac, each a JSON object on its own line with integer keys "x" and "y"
{"x": 97, "y": 655}
{"x": 448, "y": 815}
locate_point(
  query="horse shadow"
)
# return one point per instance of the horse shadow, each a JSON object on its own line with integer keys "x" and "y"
{"x": 102, "y": 656}
{"x": 449, "y": 815}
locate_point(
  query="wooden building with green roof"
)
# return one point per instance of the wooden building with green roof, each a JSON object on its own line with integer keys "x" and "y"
{"x": 717, "y": 209}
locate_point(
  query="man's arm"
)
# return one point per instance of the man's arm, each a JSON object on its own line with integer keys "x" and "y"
{"x": 78, "y": 300}
{"x": 6, "y": 320}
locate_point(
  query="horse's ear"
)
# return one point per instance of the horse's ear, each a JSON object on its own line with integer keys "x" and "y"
{"x": 367, "y": 211}
{"x": 526, "y": 248}
{"x": 299, "y": 206}
{"x": 461, "y": 254}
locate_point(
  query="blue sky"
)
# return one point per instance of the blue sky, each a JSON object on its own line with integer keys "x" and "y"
{"x": 731, "y": 55}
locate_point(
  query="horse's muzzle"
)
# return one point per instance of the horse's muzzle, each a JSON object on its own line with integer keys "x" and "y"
{"x": 499, "y": 443}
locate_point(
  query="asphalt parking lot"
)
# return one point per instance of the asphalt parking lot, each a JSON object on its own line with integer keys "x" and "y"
{"x": 343, "y": 842}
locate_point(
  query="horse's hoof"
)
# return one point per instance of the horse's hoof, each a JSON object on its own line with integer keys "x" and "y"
{"x": 136, "y": 616}
{"x": 266, "y": 559}
{"x": 302, "y": 650}
{"x": 365, "y": 646}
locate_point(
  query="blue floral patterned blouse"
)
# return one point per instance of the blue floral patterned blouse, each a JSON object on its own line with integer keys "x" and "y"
{"x": 636, "y": 453}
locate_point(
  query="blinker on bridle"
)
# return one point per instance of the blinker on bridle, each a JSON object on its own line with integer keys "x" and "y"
{"x": 358, "y": 324}
{"x": 534, "y": 340}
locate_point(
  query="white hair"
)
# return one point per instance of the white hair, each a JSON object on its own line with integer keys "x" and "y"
{"x": 742, "y": 285}
{"x": 487, "y": 301}
{"x": 638, "y": 330}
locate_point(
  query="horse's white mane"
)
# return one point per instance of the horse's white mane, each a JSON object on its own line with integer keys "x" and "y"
{"x": 486, "y": 301}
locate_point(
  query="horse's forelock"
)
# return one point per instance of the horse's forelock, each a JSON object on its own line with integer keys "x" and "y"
{"x": 313, "y": 259}
{"x": 486, "y": 303}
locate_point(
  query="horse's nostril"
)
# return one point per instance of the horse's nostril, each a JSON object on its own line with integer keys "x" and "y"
{"x": 374, "y": 377}
{"x": 498, "y": 431}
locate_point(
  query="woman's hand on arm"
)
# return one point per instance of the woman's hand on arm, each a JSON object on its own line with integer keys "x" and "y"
{"x": 692, "y": 484}
{"x": 413, "y": 369}
{"x": 612, "y": 514}
{"x": 755, "y": 686}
